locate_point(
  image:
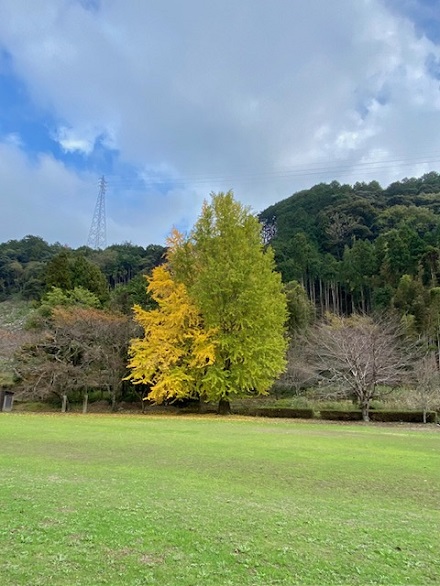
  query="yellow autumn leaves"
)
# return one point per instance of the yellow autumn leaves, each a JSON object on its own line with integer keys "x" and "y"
{"x": 219, "y": 326}
{"x": 175, "y": 349}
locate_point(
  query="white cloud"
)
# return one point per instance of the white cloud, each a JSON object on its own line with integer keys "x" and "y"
{"x": 71, "y": 142}
{"x": 42, "y": 198}
{"x": 260, "y": 96}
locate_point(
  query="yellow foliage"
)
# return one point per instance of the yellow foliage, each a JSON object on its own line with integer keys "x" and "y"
{"x": 175, "y": 349}
{"x": 218, "y": 330}
{"x": 174, "y": 241}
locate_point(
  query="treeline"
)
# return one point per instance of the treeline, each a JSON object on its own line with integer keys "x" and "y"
{"x": 30, "y": 268}
{"x": 74, "y": 341}
{"x": 353, "y": 248}
{"x": 364, "y": 248}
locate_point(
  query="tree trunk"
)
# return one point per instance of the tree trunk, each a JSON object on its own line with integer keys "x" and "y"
{"x": 326, "y": 297}
{"x": 64, "y": 404}
{"x": 85, "y": 402}
{"x": 424, "y": 415}
{"x": 365, "y": 411}
{"x": 114, "y": 388}
{"x": 224, "y": 406}
{"x": 438, "y": 346}
{"x": 341, "y": 300}
{"x": 321, "y": 296}
{"x": 312, "y": 290}
{"x": 144, "y": 401}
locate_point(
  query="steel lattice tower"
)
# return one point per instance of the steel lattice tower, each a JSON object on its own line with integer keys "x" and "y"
{"x": 98, "y": 231}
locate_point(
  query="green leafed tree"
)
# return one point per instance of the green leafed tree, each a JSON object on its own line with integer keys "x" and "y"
{"x": 301, "y": 310}
{"x": 409, "y": 299}
{"x": 77, "y": 296}
{"x": 58, "y": 273}
{"x": 229, "y": 278}
{"x": 67, "y": 270}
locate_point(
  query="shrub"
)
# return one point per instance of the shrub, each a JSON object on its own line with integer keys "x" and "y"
{"x": 404, "y": 416}
{"x": 340, "y": 415}
{"x": 284, "y": 412}
{"x": 291, "y": 403}
{"x": 34, "y": 406}
{"x": 280, "y": 391}
{"x": 244, "y": 410}
{"x": 379, "y": 415}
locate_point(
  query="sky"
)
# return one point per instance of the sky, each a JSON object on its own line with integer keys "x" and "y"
{"x": 173, "y": 100}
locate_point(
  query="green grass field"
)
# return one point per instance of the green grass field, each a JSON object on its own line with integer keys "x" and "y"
{"x": 132, "y": 500}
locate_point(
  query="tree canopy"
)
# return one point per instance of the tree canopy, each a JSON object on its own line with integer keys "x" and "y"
{"x": 219, "y": 329}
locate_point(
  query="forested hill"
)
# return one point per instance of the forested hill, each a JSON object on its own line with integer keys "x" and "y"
{"x": 357, "y": 247}
{"x": 362, "y": 246}
{"x": 30, "y": 267}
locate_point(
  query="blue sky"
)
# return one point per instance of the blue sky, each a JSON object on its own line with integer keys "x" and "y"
{"x": 173, "y": 100}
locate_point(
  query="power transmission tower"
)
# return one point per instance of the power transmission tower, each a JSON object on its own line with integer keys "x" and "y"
{"x": 98, "y": 231}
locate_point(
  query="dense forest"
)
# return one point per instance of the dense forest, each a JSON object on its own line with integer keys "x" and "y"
{"x": 364, "y": 248}
{"x": 31, "y": 267}
{"x": 353, "y": 248}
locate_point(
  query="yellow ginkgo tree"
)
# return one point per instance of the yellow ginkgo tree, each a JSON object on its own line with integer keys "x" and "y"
{"x": 219, "y": 327}
{"x": 175, "y": 350}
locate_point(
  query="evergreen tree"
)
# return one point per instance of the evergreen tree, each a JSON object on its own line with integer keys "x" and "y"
{"x": 58, "y": 273}
{"x": 89, "y": 276}
{"x": 301, "y": 311}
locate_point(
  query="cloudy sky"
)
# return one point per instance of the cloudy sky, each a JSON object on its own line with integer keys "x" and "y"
{"x": 173, "y": 99}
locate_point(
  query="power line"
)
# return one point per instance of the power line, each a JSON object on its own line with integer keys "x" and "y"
{"x": 316, "y": 169}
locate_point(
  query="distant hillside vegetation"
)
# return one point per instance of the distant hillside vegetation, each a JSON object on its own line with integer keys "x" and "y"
{"x": 363, "y": 247}
{"x": 353, "y": 248}
{"x": 30, "y": 267}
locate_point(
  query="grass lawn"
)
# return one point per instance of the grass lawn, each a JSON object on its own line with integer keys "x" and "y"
{"x": 132, "y": 500}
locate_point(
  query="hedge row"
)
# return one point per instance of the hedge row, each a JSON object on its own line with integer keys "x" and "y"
{"x": 406, "y": 416}
{"x": 380, "y": 415}
{"x": 284, "y": 412}
{"x": 340, "y": 415}
{"x": 337, "y": 415}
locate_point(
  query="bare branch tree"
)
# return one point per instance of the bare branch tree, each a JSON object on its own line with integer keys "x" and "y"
{"x": 46, "y": 366}
{"x": 299, "y": 373}
{"x": 426, "y": 388}
{"x": 357, "y": 356}
{"x": 81, "y": 349}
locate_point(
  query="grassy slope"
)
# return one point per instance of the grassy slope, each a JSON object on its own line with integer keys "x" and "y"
{"x": 14, "y": 313}
{"x": 188, "y": 501}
